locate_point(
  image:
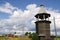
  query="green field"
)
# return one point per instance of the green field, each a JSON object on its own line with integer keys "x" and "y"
{"x": 15, "y": 38}
{"x": 20, "y": 38}
{"x": 57, "y": 38}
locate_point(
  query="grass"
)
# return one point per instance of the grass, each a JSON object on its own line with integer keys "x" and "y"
{"x": 20, "y": 38}
{"x": 15, "y": 38}
{"x": 58, "y": 38}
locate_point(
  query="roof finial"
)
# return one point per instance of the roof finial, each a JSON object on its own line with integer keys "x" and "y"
{"x": 42, "y": 9}
{"x": 42, "y": 3}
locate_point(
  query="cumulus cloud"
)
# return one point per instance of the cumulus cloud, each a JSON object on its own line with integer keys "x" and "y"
{"x": 7, "y": 8}
{"x": 20, "y": 20}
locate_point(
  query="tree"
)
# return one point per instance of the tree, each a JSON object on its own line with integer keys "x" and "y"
{"x": 14, "y": 32}
{"x": 33, "y": 36}
{"x": 26, "y": 33}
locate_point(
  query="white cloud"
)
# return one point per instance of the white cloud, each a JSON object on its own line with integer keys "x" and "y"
{"x": 7, "y": 8}
{"x": 30, "y": 7}
{"x": 23, "y": 19}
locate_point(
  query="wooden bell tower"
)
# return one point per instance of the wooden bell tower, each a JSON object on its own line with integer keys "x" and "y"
{"x": 43, "y": 24}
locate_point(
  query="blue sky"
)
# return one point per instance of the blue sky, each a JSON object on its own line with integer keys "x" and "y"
{"x": 22, "y": 3}
{"x": 18, "y": 14}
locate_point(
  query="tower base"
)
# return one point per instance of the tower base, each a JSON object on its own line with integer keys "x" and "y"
{"x": 46, "y": 38}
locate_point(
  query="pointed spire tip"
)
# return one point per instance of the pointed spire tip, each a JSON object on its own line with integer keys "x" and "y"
{"x": 41, "y": 5}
